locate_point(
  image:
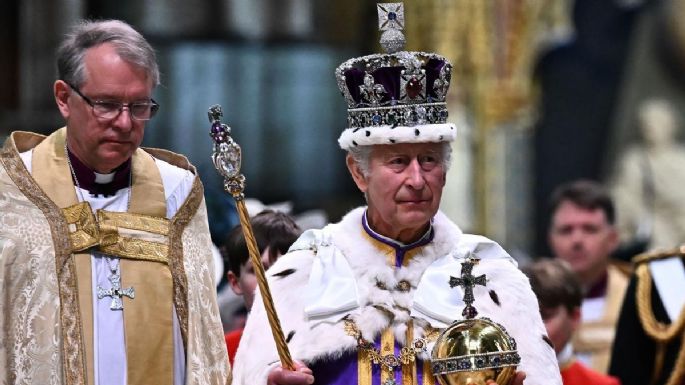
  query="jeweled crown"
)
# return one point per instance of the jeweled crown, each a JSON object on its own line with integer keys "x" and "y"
{"x": 396, "y": 97}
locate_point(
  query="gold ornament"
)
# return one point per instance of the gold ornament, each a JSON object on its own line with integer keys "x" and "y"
{"x": 473, "y": 351}
{"x": 388, "y": 361}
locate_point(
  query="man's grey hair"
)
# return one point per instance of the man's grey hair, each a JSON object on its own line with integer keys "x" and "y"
{"x": 362, "y": 157}
{"x": 127, "y": 42}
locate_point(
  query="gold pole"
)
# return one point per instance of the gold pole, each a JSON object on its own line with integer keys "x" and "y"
{"x": 226, "y": 157}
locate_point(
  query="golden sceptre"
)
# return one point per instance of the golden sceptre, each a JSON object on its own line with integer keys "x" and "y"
{"x": 226, "y": 157}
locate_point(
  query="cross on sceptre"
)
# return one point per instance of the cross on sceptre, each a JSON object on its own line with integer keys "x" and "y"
{"x": 468, "y": 281}
{"x": 116, "y": 292}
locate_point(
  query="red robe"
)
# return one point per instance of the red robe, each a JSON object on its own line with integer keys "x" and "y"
{"x": 232, "y": 340}
{"x": 576, "y": 373}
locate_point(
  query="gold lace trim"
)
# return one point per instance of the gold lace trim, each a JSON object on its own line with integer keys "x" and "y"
{"x": 137, "y": 249}
{"x": 86, "y": 231}
{"x": 139, "y": 222}
{"x": 179, "y": 223}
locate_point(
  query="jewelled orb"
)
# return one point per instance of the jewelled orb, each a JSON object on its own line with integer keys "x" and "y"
{"x": 473, "y": 351}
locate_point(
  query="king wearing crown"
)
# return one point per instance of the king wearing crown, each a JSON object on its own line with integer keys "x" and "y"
{"x": 363, "y": 301}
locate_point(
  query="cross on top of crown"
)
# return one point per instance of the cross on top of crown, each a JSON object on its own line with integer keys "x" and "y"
{"x": 391, "y": 22}
{"x": 390, "y": 16}
{"x": 467, "y": 281}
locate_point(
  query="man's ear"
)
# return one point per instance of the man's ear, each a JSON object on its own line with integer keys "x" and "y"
{"x": 62, "y": 92}
{"x": 233, "y": 281}
{"x": 357, "y": 174}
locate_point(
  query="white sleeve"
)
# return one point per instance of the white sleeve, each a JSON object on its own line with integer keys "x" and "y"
{"x": 177, "y": 185}
{"x": 27, "y": 158}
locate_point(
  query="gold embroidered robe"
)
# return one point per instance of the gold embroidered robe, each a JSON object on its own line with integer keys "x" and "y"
{"x": 41, "y": 328}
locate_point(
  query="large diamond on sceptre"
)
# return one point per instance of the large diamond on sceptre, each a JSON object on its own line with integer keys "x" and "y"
{"x": 227, "y": 157}
{"x": 473, "y": 350}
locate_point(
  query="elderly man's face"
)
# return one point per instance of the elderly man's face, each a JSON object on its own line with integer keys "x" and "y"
{"x": 104, "y": 144}
{"x": 403, "y": 187}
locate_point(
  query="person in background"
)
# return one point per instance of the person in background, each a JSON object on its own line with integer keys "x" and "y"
{"x": 560, "y": 296}
{"x": 274, "y": 232}
{"x": 582, "y": 233}
{"x": 649, "y": 346}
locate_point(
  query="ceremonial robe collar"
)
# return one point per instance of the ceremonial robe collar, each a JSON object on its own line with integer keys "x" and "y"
{"x": 139, "y": 234}
{"x": 401, "y": 249}
{"x": 332, "y": 290}
{"x": 100, "y": 184}
{"x": 599, "y": 288}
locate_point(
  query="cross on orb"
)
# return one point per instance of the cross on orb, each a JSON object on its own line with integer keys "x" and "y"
{"x": 467, "y": 281}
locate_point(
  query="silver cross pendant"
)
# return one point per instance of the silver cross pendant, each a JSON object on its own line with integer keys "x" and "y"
{"x": 116, "y": 292}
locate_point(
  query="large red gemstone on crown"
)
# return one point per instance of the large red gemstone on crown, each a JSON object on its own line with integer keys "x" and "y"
{"x": 413, "y": 88}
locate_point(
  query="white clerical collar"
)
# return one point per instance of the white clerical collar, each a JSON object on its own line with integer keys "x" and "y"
{"x": 104, "y": 178}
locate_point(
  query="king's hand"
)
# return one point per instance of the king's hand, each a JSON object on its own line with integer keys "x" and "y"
{"x": 302, "y": 375}
{"x": 517, "y": 380}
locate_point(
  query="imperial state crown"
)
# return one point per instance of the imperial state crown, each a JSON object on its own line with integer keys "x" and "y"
{"x": 398, "y": 96}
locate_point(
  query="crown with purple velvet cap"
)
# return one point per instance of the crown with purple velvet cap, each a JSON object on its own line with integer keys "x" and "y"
{"x": 396, "y": 97}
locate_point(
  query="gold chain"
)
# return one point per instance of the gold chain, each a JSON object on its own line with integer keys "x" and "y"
{"x": 388, "y": 361}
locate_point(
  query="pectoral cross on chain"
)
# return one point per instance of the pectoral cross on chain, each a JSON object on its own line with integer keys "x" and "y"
{"x": 116, "y": 292}
{"x": 467, "y": 281}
